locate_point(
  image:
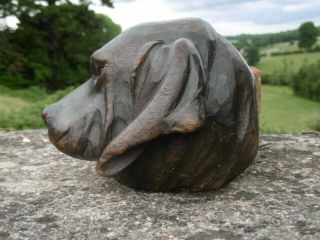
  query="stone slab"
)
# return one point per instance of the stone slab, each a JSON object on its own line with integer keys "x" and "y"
{"x": 45, "y": 194}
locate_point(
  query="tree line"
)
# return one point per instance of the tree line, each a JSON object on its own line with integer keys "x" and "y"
{"x": 52, "y": 43}
{"x": 250, "y": 44}
{"x": 262, "y": 40}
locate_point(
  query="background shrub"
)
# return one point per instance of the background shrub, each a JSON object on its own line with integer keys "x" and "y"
{"x": 306, "y": 82}
{"x": 51, "y": 48}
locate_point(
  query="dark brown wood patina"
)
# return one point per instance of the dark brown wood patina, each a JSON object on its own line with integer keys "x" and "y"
{"x": 170, "y": 106}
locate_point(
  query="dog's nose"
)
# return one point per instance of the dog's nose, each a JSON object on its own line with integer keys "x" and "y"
{"x": 46, "y": 113}
{"x": 57, "y": 125}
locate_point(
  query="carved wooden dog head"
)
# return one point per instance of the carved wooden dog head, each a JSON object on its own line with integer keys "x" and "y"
{"x": 170, "y": 105}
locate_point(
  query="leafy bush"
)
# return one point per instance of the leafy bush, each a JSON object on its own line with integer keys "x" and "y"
{"x": 308, "y": 33}
{"x": 252, "y": 55}
{"x": 306, "y": 82}
{"x": 51, "y": 48}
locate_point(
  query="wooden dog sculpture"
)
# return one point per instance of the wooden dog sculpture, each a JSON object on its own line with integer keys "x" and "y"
{"x": 170, "y": 106}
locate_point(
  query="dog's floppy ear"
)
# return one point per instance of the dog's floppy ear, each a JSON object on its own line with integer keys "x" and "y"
{"x": 167, "y": 85}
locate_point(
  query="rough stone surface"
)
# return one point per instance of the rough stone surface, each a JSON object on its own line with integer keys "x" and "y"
{"x": 47, "y": 195}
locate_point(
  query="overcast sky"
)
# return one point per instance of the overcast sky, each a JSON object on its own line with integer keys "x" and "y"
{"x": 228, "y": 17}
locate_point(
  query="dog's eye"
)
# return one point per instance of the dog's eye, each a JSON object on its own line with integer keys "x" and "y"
{"x": 96, "y": 68}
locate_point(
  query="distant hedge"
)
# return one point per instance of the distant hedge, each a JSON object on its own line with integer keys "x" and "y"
{"x": 306, "y": 82}
{"x": 315, "y": 49}
{"x": 286, "y": 53}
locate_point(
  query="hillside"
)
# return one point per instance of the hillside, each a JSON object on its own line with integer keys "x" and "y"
{"x": 263, "y": 40}
{"x": 284, "y": 48}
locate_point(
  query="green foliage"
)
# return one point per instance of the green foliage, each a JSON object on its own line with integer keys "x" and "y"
{"x": 252, "y": 55}
{"x": 52, "y": 46}
{"x": 306, "y": 82}
{"x": 19, "y": 8}
{"x": 307, "y": 35}
{"x": 29, "y": 115}
{"x": 250, "y": 52}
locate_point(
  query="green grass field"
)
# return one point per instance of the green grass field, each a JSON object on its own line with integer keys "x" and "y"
{"x": 285, "y": 113}
{"x": 8, "y": 103}
{"x": 281, "y": 110}
{"x": 293, "y": 62}
{"x": 280, "y": 47}
{"x": 20, "y": 109}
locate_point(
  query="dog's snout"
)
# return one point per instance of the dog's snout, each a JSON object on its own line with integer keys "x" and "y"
{"x": 44, "y": 115}
{"x": 48, "y": 113}
{"x": 53, "y": 122}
